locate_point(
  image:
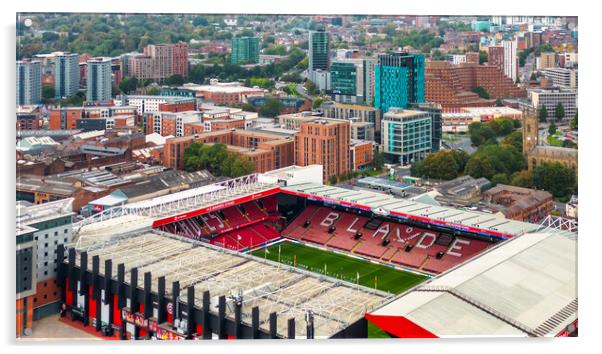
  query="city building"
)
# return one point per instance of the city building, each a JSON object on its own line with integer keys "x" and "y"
{"x": 224, "y": 93}
{"x": 451, "y": 85}
{"x": 354, "y": 112}
{"x": 267, "y": 150}
{"x": 99, "y": 84}
{"x": 551, "y": 96}
{"x": 245, "y": 50}
{"x": 362, "y": 130}
{"x": 361, "y": 154}
{"x": 572, "y": 207}
{"x": 66, "y": 75}
{"x": 435, "y": 111}
{"x": 29, "y": 82}
{"x": 537, "y": 153}
{"x": 510, "y": 59}
{"x": 458, "y": 122}
{"x": 518, "y": 203}
{"x": 109, "y": 116}
{"x": 43, "y": 228}
{"x": 151, "y": 104}
{"x": 495, "y": 57}
{"x": 352, "y": 80}
{"x": 158, "y": 62}
{"x": 406, "y": 135}
{"x": 319, "y": 50}
{"x": 28, "y": 118}
{"x": 546, "y": 60}
{"x": 293, "y": 121}
{"x": 399, "y": 80}
{"x": 324, "y": 142}
{"x": 26, "y": 263}
{"x": 562, "y": 77}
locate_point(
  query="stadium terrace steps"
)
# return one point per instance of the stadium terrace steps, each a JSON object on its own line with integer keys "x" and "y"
{"x": 253, "y": 211}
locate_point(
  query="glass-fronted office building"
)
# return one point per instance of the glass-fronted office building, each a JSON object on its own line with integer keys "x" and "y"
{"x": 406, "y": 135}
{"x": 399, "y": 80}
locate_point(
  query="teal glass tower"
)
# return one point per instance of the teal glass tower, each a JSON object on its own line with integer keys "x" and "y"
{"x": 245, "y": 50}
{"x": 398, "y": 80}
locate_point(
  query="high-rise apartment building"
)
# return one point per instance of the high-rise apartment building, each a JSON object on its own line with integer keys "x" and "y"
{"x": 324, "y": 142}
{"x": 495, "y": 57}
{"x": 406, "y": 135}
{"x": 547, "y": 60}
{"x": 66, "y": 75}
{"x": 319, "y": 50}
{"x": 99, "y": 80}
{"x": 510, "y": 59}
{"x": 352, "y": 80}
{"x": 245, "y": 50}
{"x": 159, "y": 61}
{"x": 29, "y": 82}
{"x": 399, "y": 80}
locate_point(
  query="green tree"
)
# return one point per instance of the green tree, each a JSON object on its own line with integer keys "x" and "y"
{"x": 480, "y": 133}
{"x": 317, "y": 103}
{"x": 311, "y": 87}
{"x": 483, "y": 57}
{"x": 48, "y": 93}
{"x": 552, "y": 129}
{"x": 522, "y": 179}
{"x": 559, "y": 112}
{"x": 500, "y": 178}
{"x": 573, "y": 124}
{"x": 271, "y": 108}
{"x": 479, "y": 166}
{"x": 379, "y": 160}
{"x": 499, "y": 103}
{"x": 480, "y": 90}
{"x": 128, "y": 85}
{"x": 174, "y": 80}
{"x": 514, "y": 139}
{"x": 332, "y": 180}
{"x": 489, "y": 160}
{"x": 542, "y": 114}
{"x": 555, "y": 178}
{"x": 153, "y": 91}
{"x": 444, "y": 164}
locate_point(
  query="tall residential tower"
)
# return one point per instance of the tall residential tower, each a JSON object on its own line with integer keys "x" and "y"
{"x": 99, "y": 80}
{"x": 29, "y": 82}
{"x": 66, "y": 75}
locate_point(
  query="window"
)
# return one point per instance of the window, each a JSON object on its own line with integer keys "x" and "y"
{"x": 56, "y": 233}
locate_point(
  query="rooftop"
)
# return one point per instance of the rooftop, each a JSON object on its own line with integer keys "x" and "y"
{"x": 271, "y": 286}
{"x": 523, "y": 287}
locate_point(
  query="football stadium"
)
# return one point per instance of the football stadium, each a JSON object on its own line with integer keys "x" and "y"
{"x": 281, "y": 255}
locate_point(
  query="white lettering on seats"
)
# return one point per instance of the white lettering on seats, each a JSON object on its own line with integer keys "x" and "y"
{"x": 383, "y": 229}
{"x": 433, "y": 237}
{"x": 404, "y": 240}
{"x": 330, "y": 219}
{"x": 455, "y": 246}
{"x": 350, "y": 228}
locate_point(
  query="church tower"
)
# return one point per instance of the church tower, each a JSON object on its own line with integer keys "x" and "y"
{"x": 530, "y": 132}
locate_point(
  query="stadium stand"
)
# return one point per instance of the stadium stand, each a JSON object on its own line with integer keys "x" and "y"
{"x": 382, "y": 240}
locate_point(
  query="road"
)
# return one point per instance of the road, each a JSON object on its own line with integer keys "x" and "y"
{"x": 459, "y": 143}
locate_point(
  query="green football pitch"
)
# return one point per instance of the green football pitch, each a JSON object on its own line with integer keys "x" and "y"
{"x": 343, "y": 267}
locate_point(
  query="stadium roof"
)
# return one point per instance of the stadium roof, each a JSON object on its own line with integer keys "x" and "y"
{"x": 166, "y": 209}
{"x": 273, "y": 287}
{"x": 524, "y": 287}
{"x": 472, "y": 221}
